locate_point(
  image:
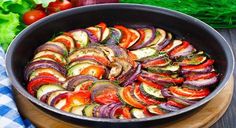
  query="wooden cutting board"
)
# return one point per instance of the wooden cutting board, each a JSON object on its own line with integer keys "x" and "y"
{"x": 203, "y": 118}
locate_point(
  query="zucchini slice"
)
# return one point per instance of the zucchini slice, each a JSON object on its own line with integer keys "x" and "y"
{"x": 43, "y": 90}
{"x": 144, "y": 52}
{"x": 160, "y": 37}
{"x": 81, "y": 38}
{"x": 155, "y": 109}
{"x": 137, "y": 113}
{"x": 52, "y": 55}
{"x": 76, "y": 69}
{"x": 167, "y": 69}
{"x": 114, "y": 37}
{"x": 85, "y": 52}
{"x": 60, "y": 104}
{"x": 88, "y": 110}
{"x": 106, "y": 34}
{"x": 151, "y": 91}
{"x": 82, "y": 61}
{"x": 78, "y": 110}
{"x": 52, "y": 71}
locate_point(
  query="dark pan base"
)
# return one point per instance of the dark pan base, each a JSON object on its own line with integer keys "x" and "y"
{"x": 198, "y": 33}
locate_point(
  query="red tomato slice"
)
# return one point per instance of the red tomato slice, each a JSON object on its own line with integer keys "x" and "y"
{"x": 140, "y": 78}
{"x": 159, "y": 111}
{"x": 54, "y": 58}
{"x": 126, "y": 113}
{"x": 175, "y": 104}
{"x": 35, "y": 83}
{"x": 131, "y": 101}
{"x": 66, "y": 42}
{"x": 147, "y": 113}
{"x": 94, "y": 70}
{"x": 126, "y": 36}
{"x": 189, "y": 92}
{"x": 85, "y": 85}
{"x": 102, "y": 25}
{"x": 205, "y": 64}
{"x": 201, "y": 76}
{"x": 107, "y": 96}
{"x": 145, "y": 99}
{"x": 77, "y": 98}
{"x": 132, "y": 56}
{"x": 155, "y": 63}
{"x": 179, "y": 48}
{"x": 45, "y": 74}
{"x": 142, "y": 36}
{"x": 168, "y": 46}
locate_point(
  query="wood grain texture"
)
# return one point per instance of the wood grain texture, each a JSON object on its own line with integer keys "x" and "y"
{"x": 201, "y": 118}
{"x": 228, "y": 120}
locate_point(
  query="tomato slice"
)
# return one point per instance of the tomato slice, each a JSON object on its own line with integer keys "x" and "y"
{"x": 126, "y": 36}
{"x": 185, "y": 92}
{"x": 85, "y": 85}
{"x": 175, "y": 104}
{"x": 203, "y": 65}
{"x": 94, "y": 70}
{"x": 140, "y": 78}
{"x": 132, "y": 56}
{"x": 147, "y": 113}
{"x": 107, "y": 96}
{"x": 77, "y": 98}
{"x": 66, "y": 42}
{"x": 145, "y": 99}
{"x": 35, "y": 83}
{"x": 201, "y": 76}
{"x": 142, "y": 36}
{"x": 131, "y": 101}
{"x": 54, "y": 58}
{"x": 155, "y": 63}
{"x": 168, "y": 46}
{"x": 45, "y": 74}
{"x": 126, "y": 113}
{"x": 179, "y": 48}
{"x": 102, "y": 25}
{"x": 159, "y": 111}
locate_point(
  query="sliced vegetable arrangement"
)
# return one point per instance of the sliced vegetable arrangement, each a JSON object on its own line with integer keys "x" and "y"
{"x": 119, "y": 72}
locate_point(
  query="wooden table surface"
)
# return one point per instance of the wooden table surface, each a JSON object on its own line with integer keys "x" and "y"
{"x": 228, "y": 120}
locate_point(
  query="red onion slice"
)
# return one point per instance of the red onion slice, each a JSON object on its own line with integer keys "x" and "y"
{"x": 71, "y": 83}
{"x": 131, "y": 79}
{"x": 166, "y": 93}
{"x": 114, "y": 109}
{"x": 51, "y": 47}
{"x": 168, "y": 107}
{"x": 202, "y": 83}
{"x": 201, "y": 70}
{"x": 43, "y": 64}
{"x": 148, "y": 39}
{"x": 185, "y": 52}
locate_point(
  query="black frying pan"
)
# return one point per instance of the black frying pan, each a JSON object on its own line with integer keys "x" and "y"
{"x": 198, "y": 33}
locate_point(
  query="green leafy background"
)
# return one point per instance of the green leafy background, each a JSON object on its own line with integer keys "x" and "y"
{"x": 11, "y": 12}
